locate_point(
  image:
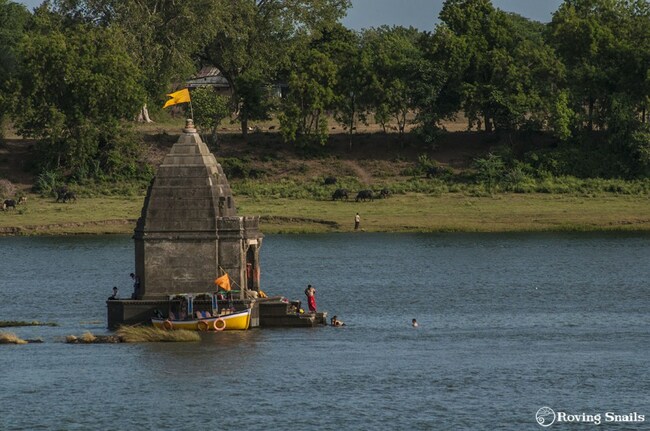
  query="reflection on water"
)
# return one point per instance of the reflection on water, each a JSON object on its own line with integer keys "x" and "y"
{"x": 508, "y": 324}
{"x": 217, "y": 353}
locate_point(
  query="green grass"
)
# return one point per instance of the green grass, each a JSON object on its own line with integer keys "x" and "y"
{"x": 85, "y": 216}
{"x": 452, "y": 212}
{"x": 411, "y": 212}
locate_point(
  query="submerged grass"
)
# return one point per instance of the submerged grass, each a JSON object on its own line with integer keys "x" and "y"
{"x": 148, "y": 334}
{"x": 135, "y": 334}
{"x": 89, "y": 338}
{"x": 11, "y": 338}
{"x": 12, "y": 323}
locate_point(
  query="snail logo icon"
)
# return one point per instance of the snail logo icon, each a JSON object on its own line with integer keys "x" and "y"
{"x": 545, "y": 417}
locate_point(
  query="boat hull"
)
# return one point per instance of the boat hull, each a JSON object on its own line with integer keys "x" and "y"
{"x": 237, "y": 321}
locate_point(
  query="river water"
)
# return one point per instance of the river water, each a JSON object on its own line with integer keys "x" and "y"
{"x": 509, "y": 323}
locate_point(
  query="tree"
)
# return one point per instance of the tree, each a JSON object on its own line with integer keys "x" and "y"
{"x": 605, "y": 45}
{"x": 489, "y": 170}
{"x": 628, "y": 138}
{"x": 510, "y": 76}
{"x": 255, "y": 39}
{"x": 397, "y": 63}
{"x": 528, "y": 76}
{"x": 162, "y": 36}
{"x": 354, "y": 82}
{"x": 209, "y": 109}
{"x": 73, "y": 86}
{"x": 303, "y": 118}
{"x": 562, "y": 120}
{"x": 479, "y": 28}
{"x": 437, "y": 91}
{"x": 13, "y": 18}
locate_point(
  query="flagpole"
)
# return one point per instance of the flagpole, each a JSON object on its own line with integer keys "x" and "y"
{"x": 191, "y": 110}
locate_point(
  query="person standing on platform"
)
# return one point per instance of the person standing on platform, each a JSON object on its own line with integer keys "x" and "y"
{"x": 357, "y": 221}
{"x": 311, "y": 298}
{"x": 136, "y": 286}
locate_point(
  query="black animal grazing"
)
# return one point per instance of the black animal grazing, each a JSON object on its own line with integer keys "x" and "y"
{"x": 9, "y": 203}
{"x": 60, "y": 194}
{"x": 69, "y": 196}
{"x": 364, "y": 195}
{"x": 329, "y": 180}
{"x": 340, "y": 194}
{"x": 384, "y": 193}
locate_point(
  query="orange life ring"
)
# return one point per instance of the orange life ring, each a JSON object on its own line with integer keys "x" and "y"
{"x": 219, "y": 324}
{"x": 202, "y": 325}
{"x": 167, "y": 324}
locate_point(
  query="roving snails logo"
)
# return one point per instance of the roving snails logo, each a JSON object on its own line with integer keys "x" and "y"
{"x": 545, "y": 416}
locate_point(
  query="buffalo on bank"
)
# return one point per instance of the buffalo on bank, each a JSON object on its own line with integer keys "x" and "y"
{"x": 362, "y": 195}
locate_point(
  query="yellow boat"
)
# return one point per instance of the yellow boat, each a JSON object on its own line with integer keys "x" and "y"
{"x": 237, "y": 320}
{"x": 213, "y": 319}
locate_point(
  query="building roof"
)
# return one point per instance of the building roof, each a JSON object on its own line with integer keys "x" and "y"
{"x": 208, "y": 76}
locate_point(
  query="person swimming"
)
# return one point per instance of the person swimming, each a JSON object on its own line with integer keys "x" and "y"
{"x": 414, "y": 323}
{"x": 334, "y": 321}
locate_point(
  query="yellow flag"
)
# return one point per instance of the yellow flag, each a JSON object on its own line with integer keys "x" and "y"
{"x": 223, "y": 282}
{"x": 181, "y": 96}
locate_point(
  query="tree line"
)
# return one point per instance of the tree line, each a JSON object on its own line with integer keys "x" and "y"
{"x": 75, "y": 73}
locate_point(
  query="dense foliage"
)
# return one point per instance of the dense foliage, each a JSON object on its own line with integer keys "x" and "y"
{"x": 13, "y": 18}
{"x": 73, "y": 86}
{"x": 74, "y": 72}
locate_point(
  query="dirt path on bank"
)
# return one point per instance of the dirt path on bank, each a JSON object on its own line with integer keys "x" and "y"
{"x": 361, "y": 173}
{"x": 14, "y": 159}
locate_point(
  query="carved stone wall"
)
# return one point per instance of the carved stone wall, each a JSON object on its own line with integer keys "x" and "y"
{"x": 189, "y": 232}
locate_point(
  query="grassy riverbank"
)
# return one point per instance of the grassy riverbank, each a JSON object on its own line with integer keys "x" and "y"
{"x": 284, "y": 184}
{"x": 399, "y": 213}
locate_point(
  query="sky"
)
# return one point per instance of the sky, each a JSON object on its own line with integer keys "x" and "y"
{"x": 421, "y": 14}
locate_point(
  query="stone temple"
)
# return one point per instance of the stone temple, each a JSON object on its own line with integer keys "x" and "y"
{"x": 189, "y": 232}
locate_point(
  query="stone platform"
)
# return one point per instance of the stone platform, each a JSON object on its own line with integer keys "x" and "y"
{"x": 269, "y": 313}
{"x": 277, "y": 313}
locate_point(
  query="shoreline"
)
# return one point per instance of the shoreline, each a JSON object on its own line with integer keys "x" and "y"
{"x": 410, "y": 213}
{"x": 90, "y": 230}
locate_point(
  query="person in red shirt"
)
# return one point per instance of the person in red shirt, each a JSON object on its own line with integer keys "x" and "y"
{"x": 311, "y": 298}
